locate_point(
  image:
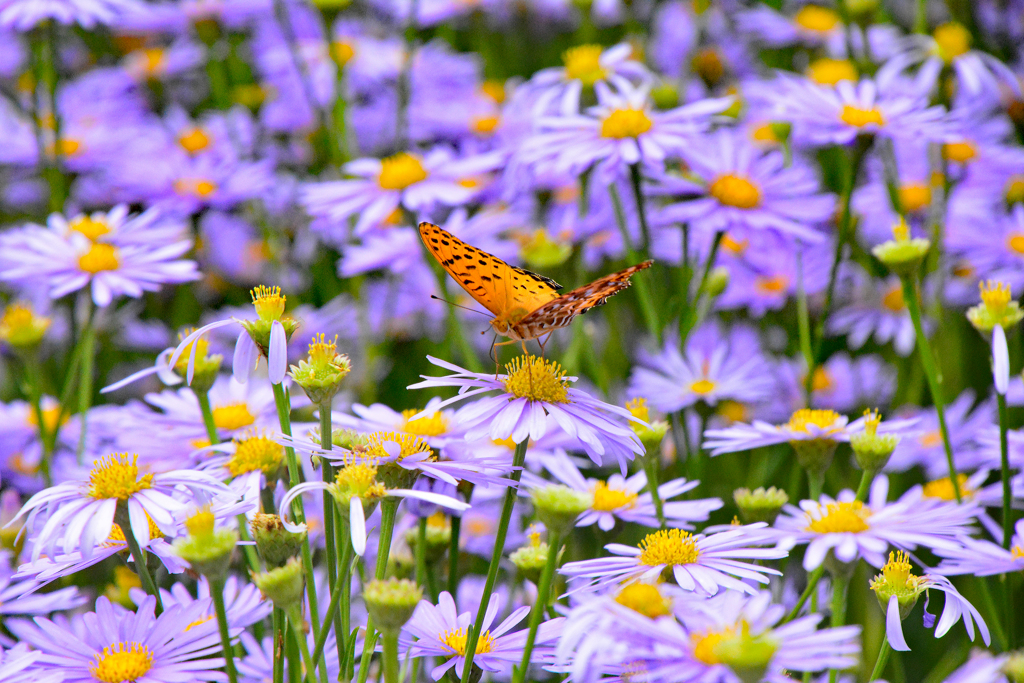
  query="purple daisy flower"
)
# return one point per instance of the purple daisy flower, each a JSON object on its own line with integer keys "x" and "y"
{"x": 19, "y": 665}
{"x": 440, "y": 631}
{"x": 23, "y": 15}
{"x": 979, "y": 557}
{"x": 870, "y": 308}
{"x": 967, "y": 424}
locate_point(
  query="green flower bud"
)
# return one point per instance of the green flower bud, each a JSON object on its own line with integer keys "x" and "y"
{"x": 205, "y": 367}
{"x": 896, "y": 580}
{"x": 282, "y": 585}
{"x": 207, "y": 549}
{"x": 901, "y": 254}
{"x": 558, "y": 506}
{"x": 438, "y": 536}
{"x": 665, "y": 95}
{"x": 1014, "y": 667}
{"x": 320, "y": 376}
{"x": 760, "y": 505}
{"x": 997, "y": 307}
{"x": 718, "y": 280}
{"x": 275, "y": 544}
{"x": 391, "y": 602}
{"x": 22, "y": 328}
{"x": 530, "y": 559}
{"x": 652, "y": 435}
{"x": 871, "y": 449}
{"x": 539, "y": 251}
{"x": 747, "y": 655}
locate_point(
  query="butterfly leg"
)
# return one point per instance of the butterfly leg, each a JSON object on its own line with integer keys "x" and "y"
{"x": 494, "y": 347}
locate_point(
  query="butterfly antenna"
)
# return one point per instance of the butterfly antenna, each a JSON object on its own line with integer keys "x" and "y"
{"x": 452, "y": 303}
{"x": 492, "y": 353}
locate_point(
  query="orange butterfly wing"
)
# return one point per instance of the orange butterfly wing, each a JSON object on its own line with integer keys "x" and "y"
{"x": 495, "y": 284}
{"x": 561, "y": 311}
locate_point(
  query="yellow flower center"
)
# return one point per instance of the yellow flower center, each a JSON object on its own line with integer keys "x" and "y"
{"x": 952, "y": 40}
{"x": 815, "y": 18}
{"x": 1017, "y": 552}
{"x": 20, "y": 324}
{"x": 485, "y": 125}
{"x": 733, "y": 411}
{"x": 771, "y": 286}
{"x": 201, "y": 522}
{"x": 704, "y": 644}
{"x": 400, "y": 171}
{"x": 268, "y": 302}
{"x": 50, "y": 417}
{"x": 893, "y": 299}
{"x": 702, "y": 387}
{"x": 117, "y": 476}
{"x": 837, "y": 518}
{"x": 823, "y": 419}
{"x": 896, "y": 578}
{"x": 583, "y": 63}
{"x": 122, "y": 663}
{"x": 821, "y": 381}
{"x": 232, "y": 416}
{"x": 343, "y": 52}
{"x": 669, "y": 547}
{"x": 456, "y": 640}
{"x": 960, "y": 152}
{"x": 256, "y": 452}
{"x": 1016, "y": 242}
{"x": 830, "y": 71}
{"x": 915, "y": 196}
{"x": 117, "y": 534}
{"x": 428, "y": 425}
{"x": 409, "y": 443}
{"x": 65, "y": 147}
{"x": 438, "y": 520}
{"x": 607, "y": 499}
{"x": 943, "y": 488}
{"x": 625, "y": 123}
{"x": 732, "y": 245}
{"x": 638, "y": 409}
{"x": 196, "y": 187}
{"x": 100, "y": 257}
{"x": 857, "y": 117}
{"x": 202, "y": 349}
{"x": 995, "y": 295}
{"x": 194, "y": 140}
{"x": 536, "y": 379}
{"x": 152, "y": 60}
{"x": 734, "y": 190}
{"x": 494, "y": 90}
{"x": 646, "y": 599}
{"x": 1014, "y": 194}
{"x": 360, "y": 479}
{"x": 93, "y": 228}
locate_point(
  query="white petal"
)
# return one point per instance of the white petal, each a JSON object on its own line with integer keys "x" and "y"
{"x": 1000, "y": 360}
{"x": 277, "y": 360}
{"x": 357, "y": 524}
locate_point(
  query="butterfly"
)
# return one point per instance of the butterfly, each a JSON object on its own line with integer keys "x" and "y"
{"x": 525, "y": 305}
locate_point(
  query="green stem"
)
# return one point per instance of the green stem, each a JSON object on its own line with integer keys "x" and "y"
{"x": 692, "y": 316}
{"x": 388, "y": 511}
{"x": 518, "y": 460}
{"x": 453, "y": 556}
{"x": 211, "y": 425}
{"x": 327, "y": 471}
{"x": 537, "y": 613}
{"x": 122, "y": 519}
{"x": 866, "y": 477}
{"x": 279, "y": 645}
{"x": 912, "y": 299}
{"x": 883, "y": 658}
{"x": 251, "y": 557}
{"x": 647, "y": 307}
{"x": 340, "y": 617}
{"x": 921, "y": 17}
{"x": 652, "y": 465}
{"x": 295, "y": 624}
{"x": 804, "y": 322}
{"x": 34, "y": 380}
{"x": 1004, "y": 458}
{"x": 421, "y": 552}
{"x": 812, "y": 585}
{"x": 217, "y": 593}
{"x": 88, "y": 342}
{"x": 390, "y": 656}
{"x": 815, "y": 484}
{"x": 641, "y": 209}
{"x": 839, "y": 586}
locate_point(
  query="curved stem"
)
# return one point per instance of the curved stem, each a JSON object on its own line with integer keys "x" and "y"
{"x": 518, "y": 459}
{"x": 912, "y": 299}
{"x": 217, "y": 593}
{"x": 537, "y": 613}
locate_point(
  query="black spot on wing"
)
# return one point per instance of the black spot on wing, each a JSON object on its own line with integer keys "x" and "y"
{"x": 539, "y": 278}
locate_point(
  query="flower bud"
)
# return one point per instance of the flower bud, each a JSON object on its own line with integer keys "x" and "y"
{"x": 391, "y": 602}
{"x": 206, "y": 548}
{"x": 539, "y": 251}
{"x": 760, "y": 505}
{"x": 320, "y": 376}
{"x": 21, "y": 327}
{"x": 654, "y": 432}
{"x": 205, "y": 367}
{"x": 530, "y": 559}
{"x": 558, "y": 506}
{"x": 1014, "y": 667}
{"x": 275, "y": 544}
{"x": 283, "y": 585}
{"x": 269, "y": 304}
{"x": 439, "y": 535}
{"x": 997, "y": 307}
{"x": 902, "y": 255}
{"x": 665, "y": 95}
{"x": 896, "y": 580}
{"x": 871, "y": 449}
{"x": 718, "y": 280}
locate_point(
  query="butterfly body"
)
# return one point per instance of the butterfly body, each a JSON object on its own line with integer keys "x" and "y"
{"x": 525, "y": 305}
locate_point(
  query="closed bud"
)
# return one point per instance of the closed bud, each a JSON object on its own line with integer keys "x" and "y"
{"x": 206, "y": 548}
{"x": 718, "y": 280}
{"x": 275, "y": 544}
{"x": 760, "y": 505}
{"x": 21, "y": 328}
{"x": 872, "y": 449}
{"x": 282, "y": 585}
{"x": 391, "y": 602}
{"x": 558, "y": 506}
{"x": 531, "y": 558}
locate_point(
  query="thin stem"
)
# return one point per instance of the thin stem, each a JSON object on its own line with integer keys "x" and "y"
{"x": 652, "y": 465}
{"x": 641, "y": 209}
{"x": 390, "y": 656}
{"x": 518, "y": 459}
{"x": 1004, "y": 458}
{"x": 692, "y": 316}
{"x": 327, "y": 471}
{"x": 34, "y": 380}
{"x": 883, "y": 658}
{"x": 453, "y": 556}
{"x": 279, "y": 645}
{"x": 122, "y": 519}
{"x": 804, "y": 324}
{"x": 815, "y": 484}
{"x": 388, "y": 510}
{"x": 88, "y": 342}
{"x": 647, "y": 307}
{"x": 537, "y": 613}
{"x": 339, "y": 594}
{"x": 912, "y": 299}
{"x": 217, "y": 593}
{"x": 421, "y": 552}
{"x": 294, "y": 623}
{"x": 994, "y": 618}
{"x": 866, "y": 477}
{"x": 250, "y": 551}
{"x": 812, "y": 584}
{"x": 839, "y": 585}
{"x": 211, "y": 425}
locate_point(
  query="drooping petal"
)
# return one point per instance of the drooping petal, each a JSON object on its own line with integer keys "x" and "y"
{"x": 1000, "y": 360}
{"x": 277, "y": 359}
{"x": 894, "y": 626}
{"x": 245, "y": 357}
{"x": 357, "y": 523}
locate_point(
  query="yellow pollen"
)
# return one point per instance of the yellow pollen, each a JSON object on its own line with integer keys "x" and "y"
{"x": 360, "y": 479}
{"x": 122, "y": 663}
{"x": 943, "y": 488}
{"x": 704, "y": 644}
{"x": 915, "y": 196}
{"x": 669, "y": 547}
{"x": 536, "y": 379}
{"x": 960, "y": 152}
{"x": 494, "y": 90}
{"x": 1015, "y": 194}
{"x": 485, "y": 125}
{"x": 1017, "y": 552}
{"x": 255, "y": 452}
{"x": 117, "y": 476}
{"x": 196, "y": 187}
{"x": 645, "y": 599}
{"x": 771, "y": 286}
{"x": 268, "y": 302}
{"x": 201, "y": 522}
{"x": 732, "y": 245}
{"x": 93, "y": 228}
{"x": 638, "y": 409}
{"x": 117, "y": 534}
{"x": 896, "y": 577}
{"x": 815, "y": 18}
{"x": 901, "y": 231}
{"x": 823, "y": 419}
{"x": 857, "y": 117}
{"x": 734, "y": 190}
{"x": 871, "y": 421}
{"x": 409, "y": 443}
{"x": 893, "y": 299}
{"x": 837, "y": 518}
{"x": 429, "y": 425}
{"x": 830, "y": 71}
{"x": 100, "y": 257}
{"x": 952, "y": 40}
{"x": 583, "y": 63}
{"x": 194, "y": 140}
{"x": 400, "y": 171}
{"x": 1016, "y": 242}
{"x": 625, "y": 123}
{"x": 321, "y": 350}
{"x": 821, "y": 381}
{"x": 456, "y": 640}
{"x": 607, "y": 499}
{"x": 65, "y": 147}
{"x": 702, "y": 387}
{"x": 343, "y": 52}
{"x": 202, "y": 348}
{"x": 995, "y": 295}
{"x": 152, "y": 60}
{"x": 232, "y": 416}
